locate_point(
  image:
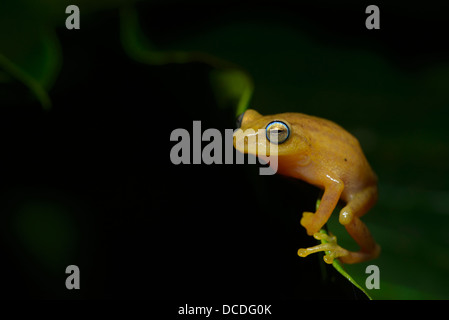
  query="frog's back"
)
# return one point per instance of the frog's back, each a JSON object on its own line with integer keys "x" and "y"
{"x": 323, "y": 129}
{"x": 336, "y": 149}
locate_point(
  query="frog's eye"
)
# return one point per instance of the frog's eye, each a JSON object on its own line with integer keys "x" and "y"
{"x": 238, "y": 122}
{"x": 277, "y": 132}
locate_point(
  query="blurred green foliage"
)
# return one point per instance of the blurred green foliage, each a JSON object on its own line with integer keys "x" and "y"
{"x": 232, "y": 85}
{"x": 48, "y": 231}
{"x": 29, "y": 48}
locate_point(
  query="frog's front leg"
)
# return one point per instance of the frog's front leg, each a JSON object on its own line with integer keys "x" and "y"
{"x": 313, "y": 222}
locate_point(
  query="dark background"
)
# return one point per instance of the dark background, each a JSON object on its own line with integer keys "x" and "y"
{"x": 90, "y": 181}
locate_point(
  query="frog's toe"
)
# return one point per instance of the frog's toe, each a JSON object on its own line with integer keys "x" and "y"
{"x": 330, "y": 246}
{"x": 326, "y": 237}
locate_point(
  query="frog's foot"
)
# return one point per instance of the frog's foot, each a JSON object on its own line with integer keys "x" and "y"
{"x": 308, "y": 222}
{"x": 330, "y": 246}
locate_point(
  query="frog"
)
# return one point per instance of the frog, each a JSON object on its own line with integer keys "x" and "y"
{"x": 321, "y": 153}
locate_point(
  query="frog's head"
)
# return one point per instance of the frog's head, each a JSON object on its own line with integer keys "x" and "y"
{"x": 273, "y": 135}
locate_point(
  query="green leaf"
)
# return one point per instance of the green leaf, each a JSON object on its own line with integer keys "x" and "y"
{"x": 339, "y": 267}
{"x": 232, "y": 85}
{"x": 29, "y": 50}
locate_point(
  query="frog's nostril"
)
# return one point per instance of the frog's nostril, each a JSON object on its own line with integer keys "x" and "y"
{"x": 238, "y": 122}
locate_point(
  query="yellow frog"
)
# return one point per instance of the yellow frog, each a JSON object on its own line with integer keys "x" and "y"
{"x": 325, "y": 155}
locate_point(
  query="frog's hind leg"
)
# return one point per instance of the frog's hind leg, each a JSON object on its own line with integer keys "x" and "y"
{"x": 369, "y": 249}
{"x": 360, "y": 204}
{"x": 349, "y": 218}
